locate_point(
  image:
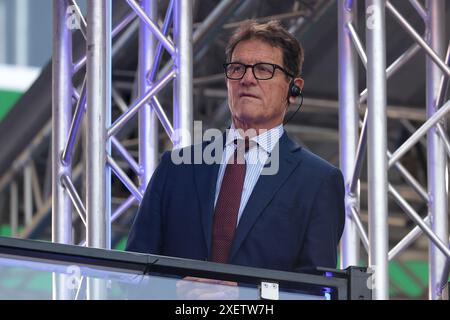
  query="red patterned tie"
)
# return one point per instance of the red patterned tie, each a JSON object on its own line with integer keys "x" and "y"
{"x": 227, "y": 207}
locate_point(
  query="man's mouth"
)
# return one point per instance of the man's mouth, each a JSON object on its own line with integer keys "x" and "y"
{"x": 248, "y": 95}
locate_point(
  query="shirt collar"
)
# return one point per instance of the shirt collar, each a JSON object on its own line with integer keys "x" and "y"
{"x": 266, "y": 140}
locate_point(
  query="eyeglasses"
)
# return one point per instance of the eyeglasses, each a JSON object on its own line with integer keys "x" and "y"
{"x": 261, "y": 71}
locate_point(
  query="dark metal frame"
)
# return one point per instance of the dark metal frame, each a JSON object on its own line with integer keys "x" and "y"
{"x": 344, "y": 285}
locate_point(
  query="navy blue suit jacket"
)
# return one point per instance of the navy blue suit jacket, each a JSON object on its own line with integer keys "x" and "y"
{"x": 292, "y": 221}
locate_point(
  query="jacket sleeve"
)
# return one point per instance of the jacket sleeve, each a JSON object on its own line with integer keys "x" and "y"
{"x": 325, "y": 226}
{"x": 146, "y": 231}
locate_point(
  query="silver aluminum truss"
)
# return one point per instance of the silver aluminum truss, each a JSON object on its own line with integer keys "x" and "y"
{"x": 373, "y": 137}
{"x": 95, "y": 99}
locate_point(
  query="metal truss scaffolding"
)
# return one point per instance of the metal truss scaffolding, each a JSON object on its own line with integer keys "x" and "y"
{"x": 95, "y": 100}
{"x": 373, "y": 138}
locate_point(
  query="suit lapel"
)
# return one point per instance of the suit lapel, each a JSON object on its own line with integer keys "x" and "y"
{"x": 265, "y": 189}
{"x": 205, "y": 180}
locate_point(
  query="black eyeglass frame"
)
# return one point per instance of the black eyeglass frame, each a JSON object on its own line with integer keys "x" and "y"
{"x": 252, "y": 66}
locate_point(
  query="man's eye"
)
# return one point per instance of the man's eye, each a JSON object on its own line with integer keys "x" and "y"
{"x": 235, "y": 69}
{"x": 263, "y": 68}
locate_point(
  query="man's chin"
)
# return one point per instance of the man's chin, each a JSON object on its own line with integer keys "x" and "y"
{"x": 249, "y": 107}
{"x": 250, "y": 119}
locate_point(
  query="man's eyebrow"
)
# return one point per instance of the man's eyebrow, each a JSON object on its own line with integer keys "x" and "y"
{"x": 258, "y": 61}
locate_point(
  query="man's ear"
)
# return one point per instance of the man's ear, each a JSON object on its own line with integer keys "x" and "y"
{"x": 299, "y": 82}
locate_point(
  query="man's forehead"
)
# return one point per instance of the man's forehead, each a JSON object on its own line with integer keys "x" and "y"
{"x": 255, "y": 50}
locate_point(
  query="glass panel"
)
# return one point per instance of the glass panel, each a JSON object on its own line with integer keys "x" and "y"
{"x": 30, "y": 278}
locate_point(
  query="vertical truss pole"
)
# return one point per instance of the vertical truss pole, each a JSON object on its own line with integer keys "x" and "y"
{"x": 61, "y": 116}
{"x": 3, "y": 34}
{"x": 348, "y": 128}
{"x": 148, "y": 122}
{"x": 62, "y": 111}
{"x": 377, "y": 145}
{"x": 28, "y": 194}
{"x": 98, "y": 175}
{"x": 437, "y": 170}
{"x": 22, "y": 19}
{"x": 14, "y": 208}
{"x": 183, "y": 118}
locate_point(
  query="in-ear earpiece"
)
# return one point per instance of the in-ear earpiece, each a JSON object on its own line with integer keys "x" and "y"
{"x": 294, "y": 90}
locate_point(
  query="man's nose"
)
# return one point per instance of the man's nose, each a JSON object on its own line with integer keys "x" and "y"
{"x": 248, "y": 77}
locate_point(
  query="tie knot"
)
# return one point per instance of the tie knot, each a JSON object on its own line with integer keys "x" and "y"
{"x": 244, "y": 144}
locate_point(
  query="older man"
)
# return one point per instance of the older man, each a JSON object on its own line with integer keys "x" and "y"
{"x": 232, "y": 211}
